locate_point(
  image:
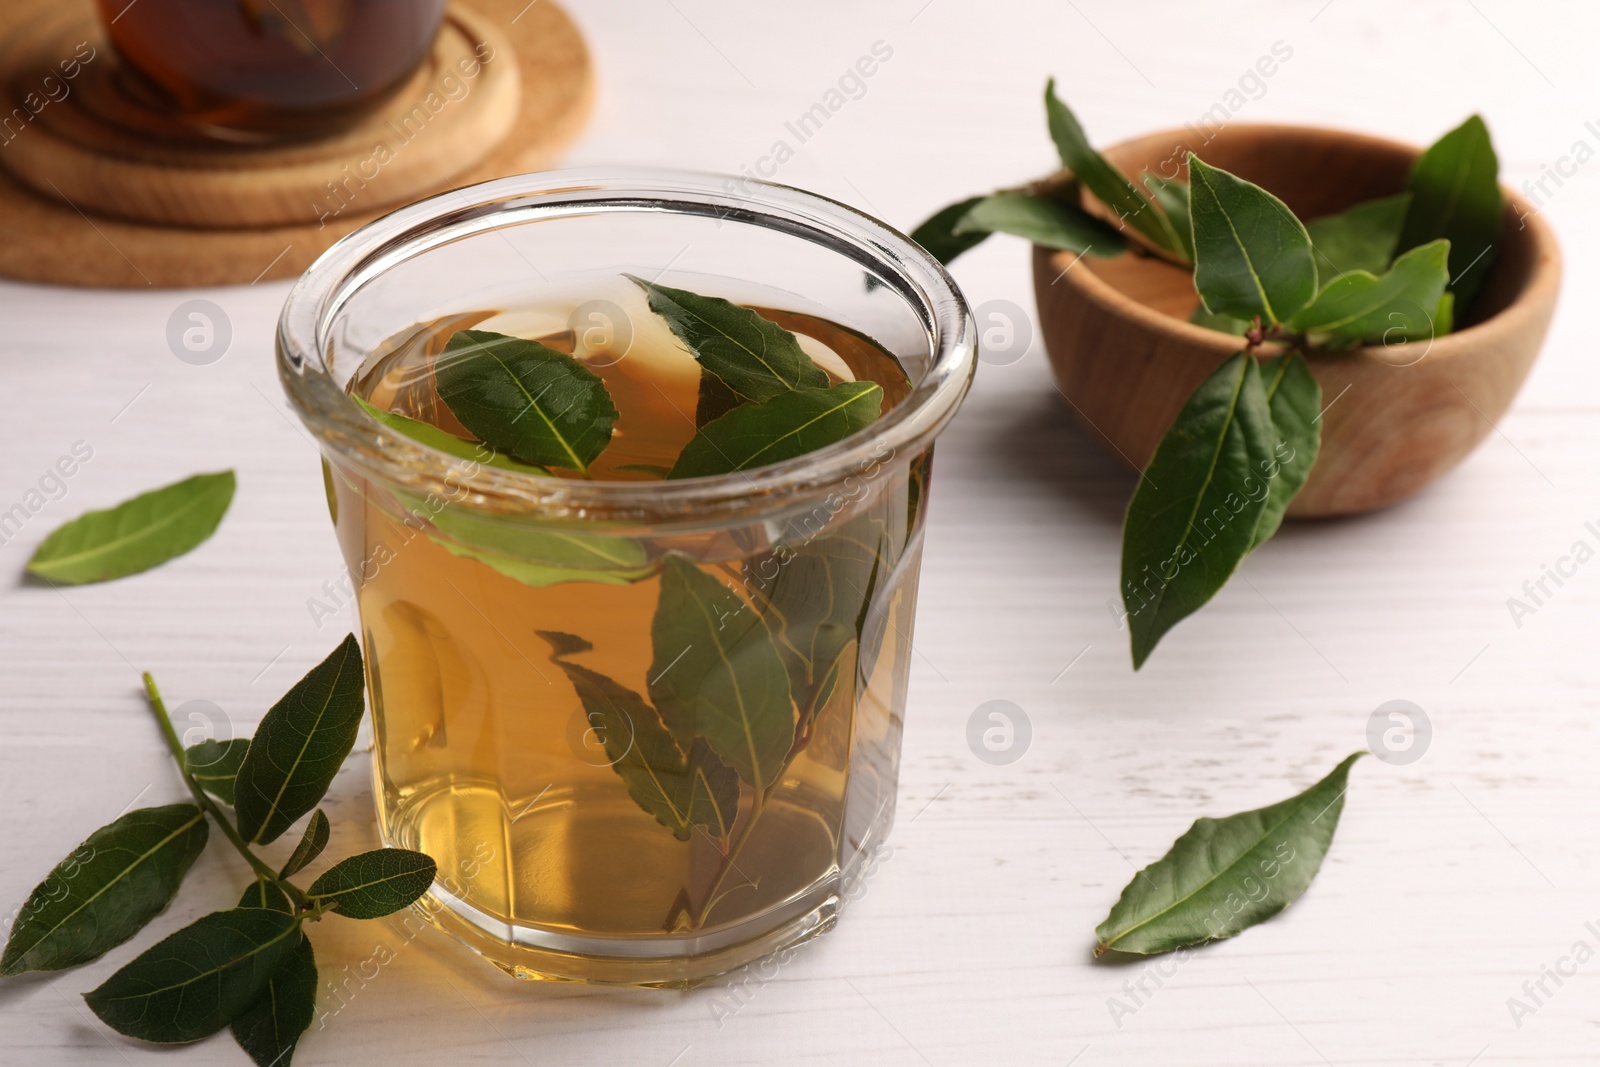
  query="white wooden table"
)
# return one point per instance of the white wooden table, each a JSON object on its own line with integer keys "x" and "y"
{"x": 1452, "y": 881}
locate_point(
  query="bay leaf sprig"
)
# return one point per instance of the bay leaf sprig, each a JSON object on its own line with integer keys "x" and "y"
{"x": 140, "y": 533}
{"x": 250, "y": 967}
{"x": 1225, "y": 875}
{"x": 1392, "y": 270}
{"x": 1225, "y": 473}
{"x": 673, "y": 777}
{"x": 719, "y": 713}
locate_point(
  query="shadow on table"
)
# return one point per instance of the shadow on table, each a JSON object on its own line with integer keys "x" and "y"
{"x": 1042, "y": 442}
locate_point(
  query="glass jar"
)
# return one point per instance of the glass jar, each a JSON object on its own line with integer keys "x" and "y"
{"x": 285, "y": 68}
{"x": 540, "y": 716}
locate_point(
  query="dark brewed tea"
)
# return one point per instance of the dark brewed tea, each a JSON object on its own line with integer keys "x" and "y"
{"x": 279, "y": 67}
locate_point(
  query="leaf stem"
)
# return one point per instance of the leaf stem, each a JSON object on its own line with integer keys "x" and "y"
{"x": 209, "y": 806}
{"x": 1259, "y": 334}
{"x": 731, "y": 851}
{"x": 314, "y": 912}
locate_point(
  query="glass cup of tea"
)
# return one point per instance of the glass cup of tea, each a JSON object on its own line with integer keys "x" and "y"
{"x": 647, "y": 725}
{"x": 269, "y": 68}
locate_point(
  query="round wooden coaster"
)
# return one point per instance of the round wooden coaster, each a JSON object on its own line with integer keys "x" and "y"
{"x": 87, "y": 151}
{"x": 126, "y": 203}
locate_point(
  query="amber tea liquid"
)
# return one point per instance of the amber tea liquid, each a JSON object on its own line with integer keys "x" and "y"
{"x": 488, "y": 757}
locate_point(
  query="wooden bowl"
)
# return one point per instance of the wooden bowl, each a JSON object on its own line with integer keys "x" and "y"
{"x": 1396, "y": 417}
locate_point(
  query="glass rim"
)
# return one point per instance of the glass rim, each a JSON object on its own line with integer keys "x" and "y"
{"x": 344, "y": 431}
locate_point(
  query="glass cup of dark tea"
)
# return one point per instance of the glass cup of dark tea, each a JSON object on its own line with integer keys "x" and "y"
{"x": 629, "y": 469}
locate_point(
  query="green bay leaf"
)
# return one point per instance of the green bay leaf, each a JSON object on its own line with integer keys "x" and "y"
{"x": 525, "y": 399}
{"x": 1295, "y": 400}
{"x": 215, "y": 764}
{"x": 818, "y": 601}
{"x": 937, "y": 233}
{"x": 538, "y": 575}
{"x": 1399, "y": 306}
{"x": 680, "y": 790}
{"x": 1046, "y": 221}
{"x": 532, "y": 553}
{"x": 1172, "y": 197}
{"x": 538, "y": 543}
{"x": 1224, "y": 875}
{"x": 790, "y": 424}
{"x": 1444, "y": 317}
{"x": 137, "y": 534}
{"x": 1194, "y": 514}
{"x": 713, "y": 400}
{"x": 1455, "y": 195}
{"x": 754, "y": 357}
{"x": 1221, "y": 323}
{"x": 428, "y": 434}
{"x": 312, "y": 841}
{"x": 373, "y": 884}
{"x": 198, "y": 980}
{"x": 1104, "y": 180}
{"x": 1361, "y": 237}
{"x": 269, "y": 1029}
{"x": 299, "y": 746}
{"x": 1251, "y": 255}
{"x": 716, "y": 674}
{"x": 114, "y": 883}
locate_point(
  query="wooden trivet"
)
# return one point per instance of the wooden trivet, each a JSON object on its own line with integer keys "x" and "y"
{"x": 96, "y": 191}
